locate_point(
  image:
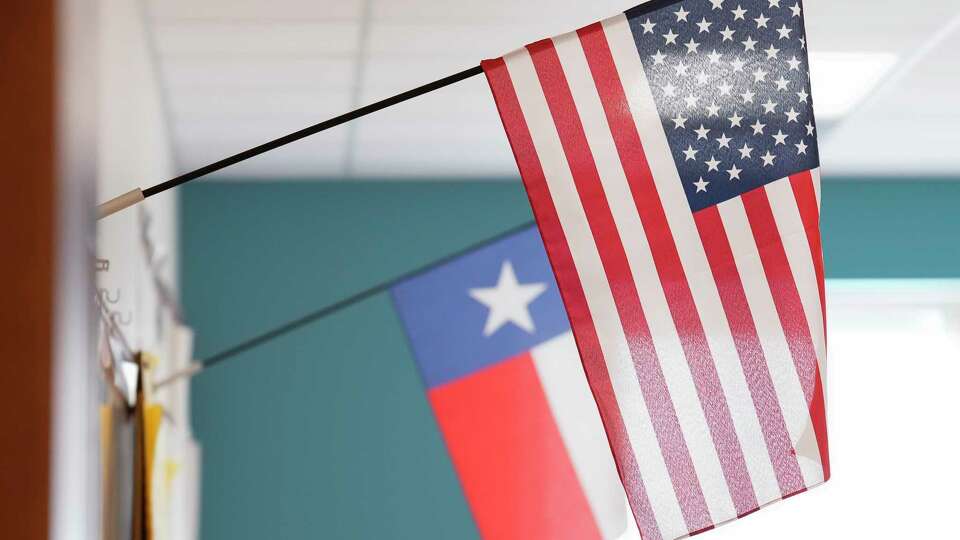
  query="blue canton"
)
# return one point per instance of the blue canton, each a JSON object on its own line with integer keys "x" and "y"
{"x": 446, "y": 326}
{"x": 732, "y": 86}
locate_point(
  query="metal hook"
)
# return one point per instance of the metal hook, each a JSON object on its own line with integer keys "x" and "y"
{"x": 105, "y": 295}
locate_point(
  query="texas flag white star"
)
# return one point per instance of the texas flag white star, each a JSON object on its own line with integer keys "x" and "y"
{"x": 508, "y": 301}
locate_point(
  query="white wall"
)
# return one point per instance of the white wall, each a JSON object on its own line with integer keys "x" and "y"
{"x": 141, "y": 246}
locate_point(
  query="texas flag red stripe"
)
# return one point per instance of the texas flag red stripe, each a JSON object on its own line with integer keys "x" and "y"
{"x": 499, "y": 420}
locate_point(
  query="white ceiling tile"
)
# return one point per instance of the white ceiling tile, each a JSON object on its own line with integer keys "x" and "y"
{"x": 239, "y": 39}
{"x": 569, "y": 13}
{"x": 256, "y": 9}
{"x": 270, "y": 107}
{"x": 239, "y": 74}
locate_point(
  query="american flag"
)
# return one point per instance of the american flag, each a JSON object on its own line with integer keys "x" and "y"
{"x": 670, "y": 157}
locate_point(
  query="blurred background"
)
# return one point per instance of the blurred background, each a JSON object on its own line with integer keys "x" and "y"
{"x": 326, "y": 432}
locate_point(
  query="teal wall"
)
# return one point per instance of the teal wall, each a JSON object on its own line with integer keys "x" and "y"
{"x": 325, "y": 432}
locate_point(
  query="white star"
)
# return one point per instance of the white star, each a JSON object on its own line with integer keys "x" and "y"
{"x": 691, "y": 101}
{"x": 738, "y": 13}
{"x": 795, "y": 9}
{"x": 702, "y": 78}
{"x": 758, "y": 127}
{"x": 803, "y": 43}
{"x": 735, "y": 120}
{"x": 801, "y": 147}
{"x": 704, "y": 25}
{"x": 738, "y": 64}
{"x": 727, "y": 34}
{"x": 670, "y": 90}
{"x": 810, "y": 128}
{"x": 772, "y": 52}
{"x": 769, "y": 107}
{"x": 680, "y": 121}
{"x": 803, "y": 96}
{"x": 717, "y": 4}
{"x": 670, "y": 37}
{"x": 690, "y": 153}
{"x": 724, "y": 141}
{"x": 759, "y": 75}
{"x": 508, "y": 301}
{"x": 713, "y": 110}
{"x": 779, "y": 138}
{"x": 648, "y": 26}
{"x": 681, "y": 14}
{"x": 658, "y": 58}
{"x": 713, "y": 164}
{"x": 701, "y": 185}
{"x": 762, "y": 21}
{"x": 702, "y": 132}
{"x": 745, "y": 151}
{"x": 749, "y": 44}
{"x": 768, "y": 159}
{"x": 734, "y": 172}
{"x": 714, "y": 57}
{"x": 681, "y": 68}
{"x": 792, "y": 115}
{"x": 691, "y": 46}
{"x": 794, "y": 64}
{"x": 784, "y": 32}
{"x": 774, "y": 3}
{"x": 781, "y": 83}
{"x": 747, "y": 96}
{"x": 724, "y": 88}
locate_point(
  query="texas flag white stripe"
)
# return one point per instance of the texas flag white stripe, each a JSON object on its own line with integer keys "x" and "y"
{"x": 602, "y": 308}
{"x": 565, "y": 386}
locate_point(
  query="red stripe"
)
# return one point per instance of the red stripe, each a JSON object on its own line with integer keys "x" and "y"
{"x": 572, "y": 292}
{"x": 617, "y": 269}
{"x": 786, "y": 298}
{"x": 806, "y": 195}
{"x": 752, "y": 358}
{"x": 667, "y": 261}
{"x": 511, "y": 459}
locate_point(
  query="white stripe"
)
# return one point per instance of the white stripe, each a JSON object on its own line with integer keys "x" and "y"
{"x": 694, "y": 261}
{"x": 565, "y": 385}
{"x": 676, "y": 371}
{"x": 613, "y": 342}
{"x": 772, "y": 337}
{"x": 815, "y": 173}
{"x": 786, "y": 213}
{"x": 816, "y": 185}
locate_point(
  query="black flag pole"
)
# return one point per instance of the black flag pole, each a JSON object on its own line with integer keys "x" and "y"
{"x": 325, "y": 311}
{"x": 136, "y": 195}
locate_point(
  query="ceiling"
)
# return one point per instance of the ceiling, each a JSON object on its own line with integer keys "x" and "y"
{"x": 236, "y": 73}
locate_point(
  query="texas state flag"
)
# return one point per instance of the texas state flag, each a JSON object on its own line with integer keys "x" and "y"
{"x": 494, "y": 347}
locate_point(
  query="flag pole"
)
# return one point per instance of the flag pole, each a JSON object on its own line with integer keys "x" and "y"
{"x": 200, "y": 366}
{"x": 136, "y": 195}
